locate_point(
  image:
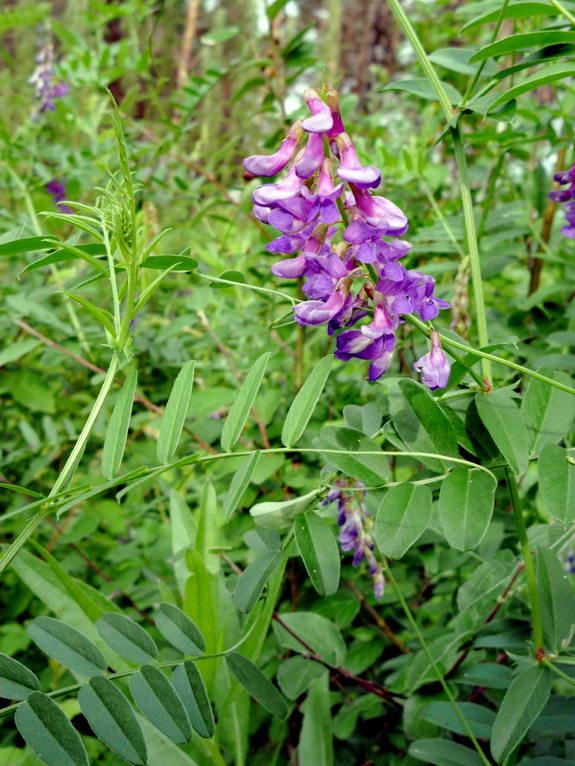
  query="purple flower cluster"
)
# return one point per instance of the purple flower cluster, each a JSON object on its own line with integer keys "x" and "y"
{"x": 359, "y": 274}
{"x": 353, "y": 518}
{"x": 57, "y": 190}
{"x": 567, "y": 196}
{"x": 46, "y": 86}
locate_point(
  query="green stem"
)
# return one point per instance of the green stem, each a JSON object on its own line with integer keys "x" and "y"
{"x": 439, "y": 213}
{"x": 67, "y": 472}
{"x": 528, "y": 559}
{"x": 431, "y": 659}
{"x": 123, "y": 336}
{"x": 560, "y": 673}
{"x": 113, "y": 280}
{"x": 569, "y": 16}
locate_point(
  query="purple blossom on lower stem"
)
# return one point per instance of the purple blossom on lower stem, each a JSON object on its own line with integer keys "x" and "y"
{"x": 566, "y": 195}
{"x": 434, "y": 365}
{"x": 344, "y": 241}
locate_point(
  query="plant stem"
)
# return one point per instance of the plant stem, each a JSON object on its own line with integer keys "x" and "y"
{"x": 527, "y": 558}
{"x": 431, "y": 659}
{"x": 560, "y": 673}
{"x": 569, "y": 16}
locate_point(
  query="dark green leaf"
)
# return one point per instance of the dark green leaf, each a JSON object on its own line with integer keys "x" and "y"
{"x": 517, "y": 10}
{"x": 556, "y": 600}
{"x": 557, "y": 717}
{"x": 556, "y": 471}
{"x": 188, "y": 683}
{"x": 479, "y": 719}
{"x": 402, "y": 517}
{"x": 421, "y": 424}
{"x": 181, "y": 632}
{"x": 117, "y": 432}
{"x": 316, "y": 631}
{"x": 465, "y": 507}
{"x": 176, "y": 413}
{"x": 158, "y": 701}
{"x": 315, "y": 746}
{"x": 252, "y": 580}
{"x": 239, "y": 483}
{"x": 27, "y": 245}
{"x": 442, "y": 752}
{"x": 521, "y": 705}
{"x": 488, "y": 674}
{"x": 503, "y": 420}
{"x": 319, "y": 551}
{"x": 444, "y": 650}
{"x": 242, "y": 405}
{"x": 67, "y": 645}
{"x": 127, "y": 638}
{"x": 112, "y": 719}
{"x": 487, "y": 582}
{"x": 49, "y": 733}
{"x": 257, "y": 684}
{"x": 304, "y": 404}
{"x": 457, "y": 59}
{"x": 296, "y": 674}
{"x": 373, "y": 470}
{"x": 16, "y": 681}
{"x": 521, "y": 42}
{"x": 179, "y": 262}
{"x": 273, "y": 10}
{"x": 547, "y": 411}
{"x": 422, "y": 87}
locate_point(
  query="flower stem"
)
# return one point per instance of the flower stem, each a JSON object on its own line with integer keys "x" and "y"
{"x": 528, "y": 559}
{"x": 561, "y": 8}
{"x": 431, "y": 659}
{"x": 560, "y": 673}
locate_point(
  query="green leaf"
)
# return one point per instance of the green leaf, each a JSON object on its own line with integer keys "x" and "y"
{"x": 315, "y": 746}
{"x": 557, "y": 717}
{"x": 488, "y": 674}
{"x": 442, "y": 752}
{"x": 189, "y": 685}
{"x": 252, "y": 580}
{"x": 117, "y": 432}
{"x": 556, "y": 600}
{"x": 14, "y": 351}
{"x": 242, "y": 405}
{"x": 457, "y": 60}
{"x": 179, "y": 630}
{"x": 208, "y": 532}
{"x": 556, "y": 471}
{"x": 547, "y": 411}
{"x": 402, "y": 517}
{"x": 23, "y": 16}
{"x": 465, "y": 507}
{"x": 16, "y": 681}
{"x": 543, "y": 77}
{"x": 49, "y": 733}
{"x": 422, "y": 87}
{"x": 78, "y": 252}
{"x": 158, "y": 701}
{"x": 487, "y": 582}
{"x": 184, "y": 530}
{"x": 272, "y": 515}
{"x": 67, "y": 645}
{"x": 112, "y": 719}
{"x": 512, "y": 11}
{"x": 273, "y": 10}
{"x": 175, "y": 413}
{"x": 316, "y": 631}
{"x": 28, "y": 245}
{"x": 479, "y": 719}
{"x": 503, "y": 419}
{"x": 172, "y": 262}
{"x": 100, "y": 315}
{"x": 127, "y": 638}
{"x": 421, "y": 424}
{"x": 304, "y": 404}
{"x": 521, "y": 705}
{"x": 366, "y": 418}
{"x": 522, "y": 42}
{"x": 257, "y": 684}
{"x": 444, "y": 650}
{"x": 319, "y": 551}
{"x": 296, "y": 674}
{"x": 239, "y": 483}
{"x": 371, "y": 469}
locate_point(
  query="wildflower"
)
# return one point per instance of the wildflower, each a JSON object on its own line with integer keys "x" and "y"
{"x": 46, "y": 86}
{"x": 434, "y": 365}
{"x": 325, "y": 196}
{"x": 566, "y": 195}
{"x": 58, "y": 191}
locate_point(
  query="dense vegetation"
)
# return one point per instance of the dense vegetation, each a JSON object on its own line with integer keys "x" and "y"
{"x": 286, "y": 470}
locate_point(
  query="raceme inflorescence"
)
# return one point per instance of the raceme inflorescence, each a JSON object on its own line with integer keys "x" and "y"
{"x": 346, "y": 240}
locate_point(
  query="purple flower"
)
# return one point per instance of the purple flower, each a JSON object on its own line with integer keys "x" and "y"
{"x": 271, "y": 165}
{"x": 350, "y": 168}
{"x": 434, "y": 365}
{"x": 321, "y": 120}
{"x": 58, "y": 191}
{"x": 46, "y": 86}
{"x": 380, "y": 212}
{"x": 312, "y": 158}
{"x": 564, "y": 195}
{"x": 268, "y": 194}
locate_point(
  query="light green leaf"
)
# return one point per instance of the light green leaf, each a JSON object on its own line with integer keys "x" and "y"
{"x": 547, "y": 411}
{"x": 14, "y": 351}
{"x": 296, "y": 674}
{"x": 208, "y": 534}
{"x": 545, "y": 76}
{"x": 319, "y": 551}
{"x": 458, "y": 60}
{"x": 171, "y": 262}
{"x": 100, "y": 315}
{"x": 465, "y": 507}
{"x": 401, "y": 519}
{"x": 49, "y": 733}
{"x": 189, "y": 685}
{"x": 158, "y": 701}
{"x": 179, "y": 630}
{"x": 556, "y": 599}
{"x": 240, "y": 482}
{"x": 127, "y": 638}
{"x": 117, "y": 432}
{"x": 421, "y": 423}
{"x": 184, "y": 530}
{"x": 16, "y": 681}
{"x": 502, "y": 418}
{"x": 257, "y": 684}
{"x": 316, "y": 631}
{"x": 521, "y": 705}
{"x": 520, "y": 42}
{"x": 242, "y": 405}
{"x": 67, "y": 645}
{"x": 112, "y": 719}
{"x": 373, "y": 470}
{"x": 175, "y": 413}
{"x": 422, "y": 87}
{"x": 516, "y": 10}
{"x": 252, "y": 580}
{"x": 556, "y": 472}
{"x": 271, "y": 515}
{"x": 304, "y": 404}
{"x": 315, "y": 746}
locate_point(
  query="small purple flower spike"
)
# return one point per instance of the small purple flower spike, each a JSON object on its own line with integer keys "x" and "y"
{"x": 434, "y": 365}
